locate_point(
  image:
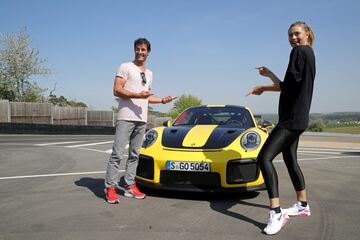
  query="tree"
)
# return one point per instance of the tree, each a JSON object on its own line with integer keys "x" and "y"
{"x": 184, "y": 102}
{"x": 63, "y": 102}
{"x": 114, "y": 109}
{"x": 18, "y": 62}
{"x": 57, "y": 101}
{"x": 73, "y": 103}
{"x": 33, "y": 93}
{"x": 316, "y": 125}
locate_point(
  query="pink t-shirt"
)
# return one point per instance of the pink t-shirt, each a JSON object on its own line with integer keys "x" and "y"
{"x": 134, "y": 109}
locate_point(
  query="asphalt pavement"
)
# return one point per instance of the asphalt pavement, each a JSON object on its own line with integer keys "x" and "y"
{"x": 51, "y": 187}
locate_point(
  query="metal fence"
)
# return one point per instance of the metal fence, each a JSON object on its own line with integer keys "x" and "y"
{"x": 45, "y": 113}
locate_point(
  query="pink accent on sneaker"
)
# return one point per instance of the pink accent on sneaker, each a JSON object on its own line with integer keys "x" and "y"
{"x": 298, "y": 210}
{"x": 305, "y": 213}
{"x": 275, "y": 222}
{"x": 111, "y": 196}
{"x": 286, "y": 218}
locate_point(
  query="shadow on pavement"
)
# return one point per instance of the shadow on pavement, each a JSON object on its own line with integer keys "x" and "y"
{"x": 96, "y": 185}
{"x": 198, "y": 196}
{"x": 225, "y": 206}
{"x": 219, "y": 202}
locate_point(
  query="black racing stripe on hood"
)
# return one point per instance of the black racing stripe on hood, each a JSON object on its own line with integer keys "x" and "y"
{"x": 222, "y": 137}
{"x": 173, "y": 137}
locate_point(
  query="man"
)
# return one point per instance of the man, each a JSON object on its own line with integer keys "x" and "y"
{"x": 132, "y": 86}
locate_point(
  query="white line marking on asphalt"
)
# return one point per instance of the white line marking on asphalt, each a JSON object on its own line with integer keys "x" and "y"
{"x": 331, "y": 149}
{"x": 54, "y": 175}
{"x": 309, "y": 152}
{"x": 320, "y": 158}
{"x": 96, "y": 150}
{"x": 16, "y": 144}
{"x": 89, "y": 144}
{"x": 55, "y": 143}
{"x": 102, "y": 172}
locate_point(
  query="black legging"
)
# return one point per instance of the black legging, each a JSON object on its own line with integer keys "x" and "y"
{"x": 285, "y": 141}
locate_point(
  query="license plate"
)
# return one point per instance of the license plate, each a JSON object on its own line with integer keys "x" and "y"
{"x": 188, "y": 166}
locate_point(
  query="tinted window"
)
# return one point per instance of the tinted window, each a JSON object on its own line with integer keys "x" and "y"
{"x": 227, "y": 116}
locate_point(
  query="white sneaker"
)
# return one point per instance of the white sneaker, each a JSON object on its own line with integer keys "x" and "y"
{"x": 298, "y": 210}
{"x": 275, "y": 222}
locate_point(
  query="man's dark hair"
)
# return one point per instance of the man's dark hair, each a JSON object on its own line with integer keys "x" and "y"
{"x": 142, "y": 41}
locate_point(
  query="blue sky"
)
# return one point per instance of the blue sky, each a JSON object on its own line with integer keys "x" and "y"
{"x": 205, "y": 48}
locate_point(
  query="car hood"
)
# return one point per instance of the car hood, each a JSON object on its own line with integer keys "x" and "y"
{"x": 200, "y": 136}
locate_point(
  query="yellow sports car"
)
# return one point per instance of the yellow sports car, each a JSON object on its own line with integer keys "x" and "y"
{"x": 206, "y": 148}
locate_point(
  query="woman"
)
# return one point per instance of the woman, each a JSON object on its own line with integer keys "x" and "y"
{"x": 294, "y": 107}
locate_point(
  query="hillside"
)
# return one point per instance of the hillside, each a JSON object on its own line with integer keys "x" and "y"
{"x": 327, "y": 118}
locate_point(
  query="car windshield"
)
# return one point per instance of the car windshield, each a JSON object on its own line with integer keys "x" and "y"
{"x": 227, "y": 116}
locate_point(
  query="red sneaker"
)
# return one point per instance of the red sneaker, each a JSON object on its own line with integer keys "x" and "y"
{"x": 111, "y": 196}
{"x": 134, "y": 192}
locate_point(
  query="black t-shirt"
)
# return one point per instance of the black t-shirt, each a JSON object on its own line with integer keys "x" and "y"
{"x": 297, "y": 89}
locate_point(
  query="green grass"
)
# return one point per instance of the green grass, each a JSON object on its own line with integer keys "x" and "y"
{"x": 342, "y": 128}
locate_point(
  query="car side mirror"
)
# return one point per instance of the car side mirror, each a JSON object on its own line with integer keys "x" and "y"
{"x": 167, "y": 123}
{"x": 267, "y": 124}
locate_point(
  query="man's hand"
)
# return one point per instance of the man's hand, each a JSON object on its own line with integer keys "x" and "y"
{"x": 145, "y": 94}
{"x": 167, "y": 99}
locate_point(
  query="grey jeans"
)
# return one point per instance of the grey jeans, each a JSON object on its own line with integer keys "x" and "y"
{"x": 127, "y": 132}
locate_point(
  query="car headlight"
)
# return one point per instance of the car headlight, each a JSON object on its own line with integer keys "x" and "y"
{"x": 250, "y": 141}
{"x": 149, "y": 138}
